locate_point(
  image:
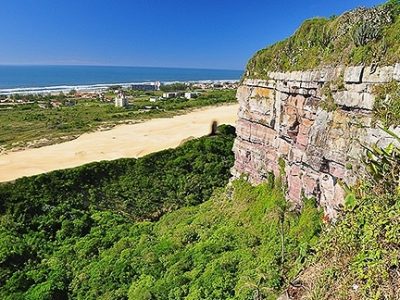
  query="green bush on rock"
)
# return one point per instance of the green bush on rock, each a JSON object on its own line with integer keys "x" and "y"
{"x": 387, "y": 104}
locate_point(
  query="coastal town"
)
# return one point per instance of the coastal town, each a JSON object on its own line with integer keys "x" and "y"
{"x": 36, "y": 119}
{"x": 119, "y": 95}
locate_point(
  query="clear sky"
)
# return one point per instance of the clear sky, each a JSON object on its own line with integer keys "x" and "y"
{"x": 161, "y": 33}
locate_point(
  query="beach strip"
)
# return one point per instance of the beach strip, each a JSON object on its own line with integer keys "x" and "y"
{"x": 122, "y": 141}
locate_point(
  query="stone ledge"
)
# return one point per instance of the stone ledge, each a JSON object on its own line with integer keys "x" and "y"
{"x": 378, "y": 75}
{"x": 353, "y": 74}
{"x": 396, "y": 72}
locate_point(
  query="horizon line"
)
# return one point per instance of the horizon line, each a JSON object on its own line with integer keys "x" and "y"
{"x": 104, "y": 65}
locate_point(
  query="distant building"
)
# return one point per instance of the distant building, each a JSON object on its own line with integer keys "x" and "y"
{"x": 121, "y": 100}
{"x": 151, "y": 86}
{"x": 217, "y": 85}
{"x": 191, "y": 95}
{"x": 169, "y": 95}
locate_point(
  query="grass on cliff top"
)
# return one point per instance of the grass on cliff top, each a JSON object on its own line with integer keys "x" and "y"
{"x": 361, "y": 36}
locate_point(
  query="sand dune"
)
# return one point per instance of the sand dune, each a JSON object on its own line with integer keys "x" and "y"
{"x": 122, "y": 141}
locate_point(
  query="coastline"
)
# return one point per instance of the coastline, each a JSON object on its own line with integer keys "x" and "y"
{"x": 93, "y": 88}
{"x": 60, "y": 78}
{"x": 121, "y": 141}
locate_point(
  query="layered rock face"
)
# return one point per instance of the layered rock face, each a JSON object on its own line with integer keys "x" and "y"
{"x": 287, "y": 126}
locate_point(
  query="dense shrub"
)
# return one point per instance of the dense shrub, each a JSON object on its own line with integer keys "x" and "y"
{"x": 46, "y": 220}
{"x": 64, "y": 237}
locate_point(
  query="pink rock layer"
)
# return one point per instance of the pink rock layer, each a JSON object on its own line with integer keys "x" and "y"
{"x": 282, "y": 123}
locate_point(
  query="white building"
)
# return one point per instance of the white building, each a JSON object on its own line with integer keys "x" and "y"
{"x": 146, "y": 86}
{"x": 169, "y": 95}
{"x": 121, "y": 100}
{"x": 191, "y": 95}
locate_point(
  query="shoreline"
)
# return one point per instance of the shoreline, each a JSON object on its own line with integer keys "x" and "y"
{"x": 94, "y": 88}
{"x": 121, "y": 141}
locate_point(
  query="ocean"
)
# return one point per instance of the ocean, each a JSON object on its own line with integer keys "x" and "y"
{"x": 42, "y": 78}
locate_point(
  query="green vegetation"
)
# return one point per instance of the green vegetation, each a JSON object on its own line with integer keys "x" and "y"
{"x": 95, "y": 232}
{"x": 358, "y": 257}
{"x": 50, "y": 222}
{"x": 369, "y": 36}
{"x": 243, "y": 247}
{"x": 387, "y": 104}
{"x": 328, "y": 102}
{"x": 22, "y": 124}
{"x": 175, "y": 87}
{"x": 145, "y": 187}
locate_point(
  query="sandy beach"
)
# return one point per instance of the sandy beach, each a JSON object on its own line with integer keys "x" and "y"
{"x": 122, "y": 141}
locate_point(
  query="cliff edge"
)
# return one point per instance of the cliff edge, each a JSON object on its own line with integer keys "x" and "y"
{"x": 310, "y": 126}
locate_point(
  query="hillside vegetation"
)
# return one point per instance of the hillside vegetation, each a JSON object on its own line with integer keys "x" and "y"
{"x": 42, "y": 214}
{"x": 363, "y": 35}
{"x": 163, "y": 227}
{"x": 95, "y": 232}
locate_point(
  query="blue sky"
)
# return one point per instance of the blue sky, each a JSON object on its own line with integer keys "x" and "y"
{"x": 162, "y": 33}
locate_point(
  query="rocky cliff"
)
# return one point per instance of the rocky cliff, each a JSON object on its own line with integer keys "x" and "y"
{"x": 310, "y": 127}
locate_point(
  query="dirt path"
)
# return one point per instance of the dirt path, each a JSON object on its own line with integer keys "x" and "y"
{"x": 122, "y": 141}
